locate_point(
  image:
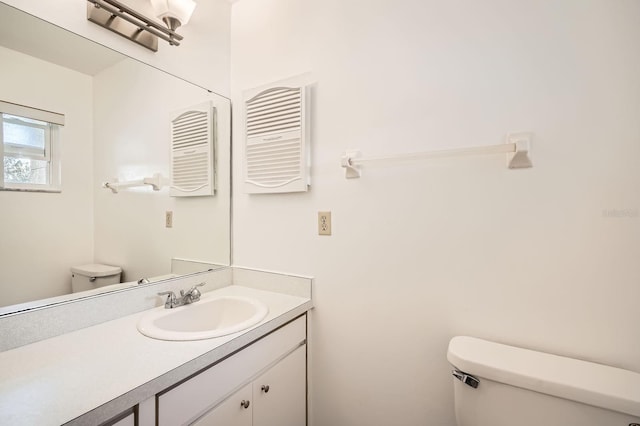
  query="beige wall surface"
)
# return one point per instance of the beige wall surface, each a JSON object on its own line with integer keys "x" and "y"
{"x": 544, "y": 258}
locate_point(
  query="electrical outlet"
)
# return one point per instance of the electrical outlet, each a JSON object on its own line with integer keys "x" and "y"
{"x": 324, "y": 223}
{"x": 168, "y": 219}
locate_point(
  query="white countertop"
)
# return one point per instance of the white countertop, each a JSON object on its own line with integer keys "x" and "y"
{"x": 57, "y": 380}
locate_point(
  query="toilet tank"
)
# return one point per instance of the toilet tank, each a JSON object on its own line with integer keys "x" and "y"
{"x": 527, "y": 388}
{"x": 94, "y": 275}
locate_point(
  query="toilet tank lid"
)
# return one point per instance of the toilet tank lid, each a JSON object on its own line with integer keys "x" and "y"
{"x": 587, "y": 382}
{"x": 96, "y": 270}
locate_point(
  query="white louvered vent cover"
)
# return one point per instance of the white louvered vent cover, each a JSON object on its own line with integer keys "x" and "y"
{"x": 192, "y": 151}
{"x": 276, "y": 151}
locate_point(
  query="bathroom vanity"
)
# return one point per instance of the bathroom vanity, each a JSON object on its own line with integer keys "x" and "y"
{"x": 263, "y": 384}
{"x": 111, "y": 374}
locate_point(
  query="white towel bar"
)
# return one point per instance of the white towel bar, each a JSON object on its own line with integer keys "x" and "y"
{"x": 155, "y": 181}
{"x": 517, "y": 148}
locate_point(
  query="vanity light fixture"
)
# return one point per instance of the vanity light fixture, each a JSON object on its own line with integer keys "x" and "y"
{"x": 174, "y": 13}
{"x": 133, "y": 25}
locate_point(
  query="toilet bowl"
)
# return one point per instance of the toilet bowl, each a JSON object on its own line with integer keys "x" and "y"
{"x": 94, "y": 275}
{"x": 500, "y": 385}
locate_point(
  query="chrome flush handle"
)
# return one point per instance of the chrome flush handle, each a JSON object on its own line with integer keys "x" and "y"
{"x": 465, "y": 378}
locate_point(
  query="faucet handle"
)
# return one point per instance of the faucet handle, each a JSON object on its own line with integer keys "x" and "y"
{"x": 194, "y": 292}
{"x": 171, "y": 298}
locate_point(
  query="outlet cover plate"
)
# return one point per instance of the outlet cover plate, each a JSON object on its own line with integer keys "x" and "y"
{"x": 324, "y": 223}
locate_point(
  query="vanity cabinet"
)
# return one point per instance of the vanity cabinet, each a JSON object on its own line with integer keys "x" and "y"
{"x": 263, "y": 384}
{"x": 276, "y": 398}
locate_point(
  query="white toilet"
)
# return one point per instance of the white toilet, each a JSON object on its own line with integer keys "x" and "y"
{"x": 500, "y": 385}
{"x": 94, "y": 275}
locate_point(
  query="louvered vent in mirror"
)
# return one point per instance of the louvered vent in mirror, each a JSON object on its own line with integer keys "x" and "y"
{"x": 276, "y": 150}
{"x": 192, "y": 151}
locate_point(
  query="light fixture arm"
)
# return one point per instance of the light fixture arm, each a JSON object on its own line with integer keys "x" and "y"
{"x": 107, "y": 12}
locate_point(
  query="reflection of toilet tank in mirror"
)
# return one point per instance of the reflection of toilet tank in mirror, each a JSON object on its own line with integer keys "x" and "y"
{"x": 94, "y": 275}
{"x": 193, "y": 151}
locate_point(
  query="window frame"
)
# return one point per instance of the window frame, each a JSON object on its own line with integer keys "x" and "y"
{"x": 52, "y": 152}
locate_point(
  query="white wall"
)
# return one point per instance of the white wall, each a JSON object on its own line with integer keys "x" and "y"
{"x": 133, "y": 108}
{"x": 202, "y": 57}
{"x": 33, "y": 226}
{"x": 544, "y": 258}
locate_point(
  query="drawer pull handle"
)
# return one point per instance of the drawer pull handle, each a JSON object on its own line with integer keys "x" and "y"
{"x": 265, "y": 388}
{"x": 244, "y": 404}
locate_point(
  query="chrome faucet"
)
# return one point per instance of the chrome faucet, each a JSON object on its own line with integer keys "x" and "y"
{"x": 190, "y": 296}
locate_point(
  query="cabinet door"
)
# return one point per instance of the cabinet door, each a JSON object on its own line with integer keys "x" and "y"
{"x": 233, "y": 411}
{"x": 280, "y": 394}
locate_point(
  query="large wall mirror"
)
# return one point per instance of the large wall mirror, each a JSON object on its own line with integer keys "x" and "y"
{"x": 118, "y": 114}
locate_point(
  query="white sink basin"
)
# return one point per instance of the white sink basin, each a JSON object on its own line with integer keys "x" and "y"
{"x": 209, "y": 317}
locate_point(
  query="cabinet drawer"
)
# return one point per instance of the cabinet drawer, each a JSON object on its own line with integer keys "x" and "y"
{"x": 191, "y": 399}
